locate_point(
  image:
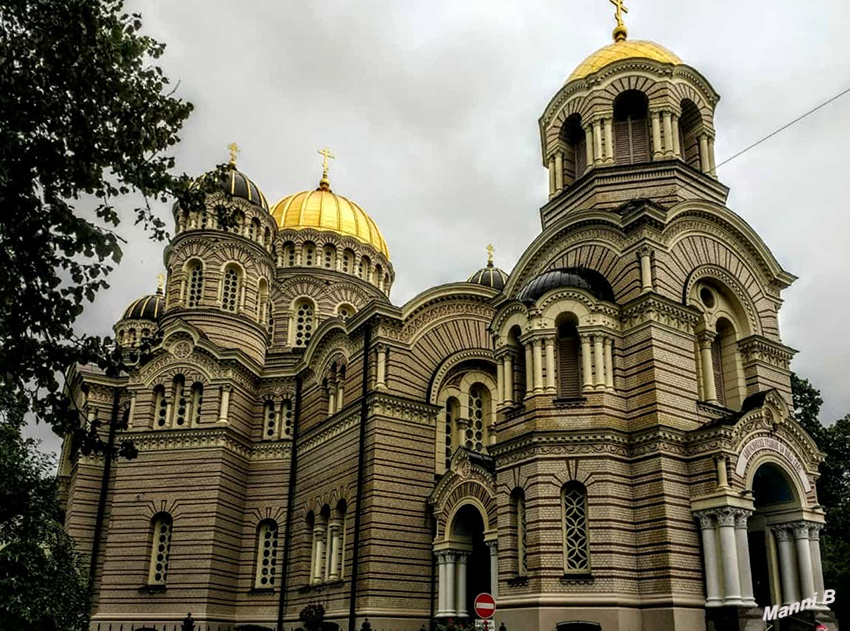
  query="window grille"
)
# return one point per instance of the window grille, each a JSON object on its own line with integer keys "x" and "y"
{"x": 196, "y": 284}
{"x": 266, "y": 555}
{"x": 160, "y": 549}
{"x": 230, "y": 294}
{"x": 575, "y": 529}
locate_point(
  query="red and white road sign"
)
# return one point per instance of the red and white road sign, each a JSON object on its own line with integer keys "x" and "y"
{"x": 485, "y": 606}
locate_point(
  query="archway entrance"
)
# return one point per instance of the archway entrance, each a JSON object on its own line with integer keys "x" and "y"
{"x": 463, "y": 564}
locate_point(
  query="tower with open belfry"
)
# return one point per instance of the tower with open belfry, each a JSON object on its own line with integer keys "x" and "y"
{"x": 603, "y": 438}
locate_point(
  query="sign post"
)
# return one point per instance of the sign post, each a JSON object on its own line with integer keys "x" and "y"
{"x": 485, "y": 607}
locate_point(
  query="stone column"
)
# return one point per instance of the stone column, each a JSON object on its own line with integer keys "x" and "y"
{"x": 334, "y": 529}
{"x": 460, "y": 592}
{"x": 588, "y": 144}
{"x": 729, "y": 554}
{"x": 586, "y": 366}
{"x": 644, "y": 256}
{"x": 494, "y": 568}
{"x": 331, "y": 399}
{"x": 328, "y": 553}
{"x": 313, "y": 555}
{"x": 609, "y": 363}
{"x": 529, "y": 368}
{"x": 381, "y": 381}
{"x": 559, "y": 172}
{"x": 705, "y": 340}
{"x": 450, "y": 584}
{"x": 709, "y": 551}
{"x": 817, "y": 566}
{"x": 787, "y": 565}
{"x": 599, "y": 361}
{"x": 657, "y": 152}
{"x": 712, "y": 168}
{"x": 667, "y": 125}
{"x": 537, "y": 346}
{"x": 132, "y": 411}
{"x": 550, "y": 365}
{"x": 743, "y": 542}
{"x": 500, "y": 381}
{"x": 551, "y": 176}
{"x": 340, "y": 395}
{"x": 509, "y": 380}
{"x": 224, "y": 404}
{"x": 704, "y": 163}
{"x": 804, "y": 560}
{"x": 677, "y": 144}
{"x": 597, "y": 138}
{"x": 319, "y": 537}
{"x": 609, "y": 142}
{"x": 441, "y": 584}
{"x": 722, "y": 478}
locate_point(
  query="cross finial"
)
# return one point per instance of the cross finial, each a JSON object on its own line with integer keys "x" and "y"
{"x": 490, "y": 249}
{"x": 234, "y": 149}
{"x": 160, "y": 286}
{"x": 620, "y": 31}
{"x": 326, "y": 153}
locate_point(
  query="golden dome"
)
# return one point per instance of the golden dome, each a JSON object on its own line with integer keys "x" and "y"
{"x": 322, "y": 209}
{"x": 620, "y": 50}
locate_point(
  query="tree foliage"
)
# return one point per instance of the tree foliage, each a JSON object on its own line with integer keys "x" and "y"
{"x": 42, "y": 582}
{"x": 833, "y": 489}
{"x": 86, "y": 123}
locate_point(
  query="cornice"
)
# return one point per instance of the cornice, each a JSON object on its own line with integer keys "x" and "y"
{"x": 757, "y": 348}
{"x": 222, "y": 437}
{"x": 654, "y": 308}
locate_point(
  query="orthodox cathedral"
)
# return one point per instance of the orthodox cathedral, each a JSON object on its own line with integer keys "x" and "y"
{"x": 602, "y": 438}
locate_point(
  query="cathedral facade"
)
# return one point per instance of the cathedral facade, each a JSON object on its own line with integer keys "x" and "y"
{"x": 602, "y": 439}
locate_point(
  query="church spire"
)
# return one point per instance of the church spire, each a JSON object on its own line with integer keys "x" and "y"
{"x": 620, "y": 31}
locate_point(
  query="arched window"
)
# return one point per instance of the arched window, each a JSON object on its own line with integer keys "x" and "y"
{"x": 195, "y": 271}
{"x": 386, "y": 283}
{"x": 197, "y": 402}
{"x": 690, "y": 123}
{"x": 347, "y": 261}
{"x": 271, "y": 421}
{"x": 160, "y": 548}
{"x": 379, "y": 276}
{"x": 575, "y": 155}
{"x": 230, "y": 289}
{"x": 267, "y": 237}
{"x": 181, "y": 403}
{"x": 160, "y": 407}
{"x": 254, "y": 230}
{"x": 345, "y": 311}
{"x": 262, "y": 300}
{"x": 479, "y": 415}
{"x": 569, "y": 381}
{"x": 631, "y": 132}
{"x": 518, "y": 365}
{"x": 452, "y": 414}
{"x": 363, "y": 269}
{"x": 286, "y": 418}
{"x": 289, "y": 254}
{"x": 303, "y": 324}
{"x": 725, "y": 362}
{"x": 518, "y": 497}
{"x": 308, "y": 254}
{"x": 329, "y": 257}
{"x": 574, "y": 510}
{"x": 264, "y": 577}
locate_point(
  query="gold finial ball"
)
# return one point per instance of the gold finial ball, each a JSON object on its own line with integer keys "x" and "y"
{"x": 620, "y": 33}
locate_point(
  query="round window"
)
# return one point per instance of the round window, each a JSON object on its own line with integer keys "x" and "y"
{"x": 707, "y": 297}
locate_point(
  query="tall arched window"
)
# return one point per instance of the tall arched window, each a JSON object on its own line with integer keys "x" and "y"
{"x": 452, "y": 413}
{"x": 518, "y": 365}
{"x": 264, "y": 577}
{"x": 631, "y": 132}
{"x": 308, "y": 254}
{"x": 518, "y": 497}
{"x": 160, "y": 408}
{"x": 262, "y": 300}
{"x": 160, "y": 549}
{"x": 271, "y": 421}
{"x": 348, "y": 261}
{"x": 724, "y": 355}
{"x": 181, "y": 403}
{"x": 574, "y": 510}
{"x": 196, "y": 283}
{"x": 364, "y": 268}
{"x": 303, "y": 324}
{"x": 329, "y": 257}
{"x": 569, "y": 381}
{"x": 575, "y": 155}
{"x": 286, "y": 418}
{"x": 197, "y": 402}
{"x": 479, "y": 415}
{"x": 379, "y": 276}
{"x": 230, "y": 289}
{"x": 289, "y": 254}
{"x": 689, "y": 124}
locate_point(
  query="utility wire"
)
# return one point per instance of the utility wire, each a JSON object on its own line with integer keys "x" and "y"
{"x": 784, "y": 127}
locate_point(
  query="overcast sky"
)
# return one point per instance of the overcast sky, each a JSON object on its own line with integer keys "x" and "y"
{"x": 431, "y": 109}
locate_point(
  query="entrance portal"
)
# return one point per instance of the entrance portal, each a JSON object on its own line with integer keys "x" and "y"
{"x": 468, "y": 531}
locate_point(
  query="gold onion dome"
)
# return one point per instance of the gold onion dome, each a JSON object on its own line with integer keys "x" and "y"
{"x": 620, "y": 50}
{"x": 323, "y": 209}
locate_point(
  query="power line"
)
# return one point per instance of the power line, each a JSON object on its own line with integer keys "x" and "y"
{"x": 784, "y": 127}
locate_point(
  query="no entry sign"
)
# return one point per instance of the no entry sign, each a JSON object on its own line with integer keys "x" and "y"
{"x": 485, "y": 606}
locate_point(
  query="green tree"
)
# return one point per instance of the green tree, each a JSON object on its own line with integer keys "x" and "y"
{"x": 87, "y": 122}
{"x": 42, "y": 582}
{"x": 833, "y": 489}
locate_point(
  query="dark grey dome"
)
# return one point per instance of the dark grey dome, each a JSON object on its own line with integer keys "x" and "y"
{"x": 145, "y": 308}
{"x": 579, "y": 277}
{"x": 240, "y": 185}
{"x": 489, "y": 276}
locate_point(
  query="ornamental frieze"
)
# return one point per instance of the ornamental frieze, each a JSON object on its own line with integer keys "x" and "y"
{"x": 661, "y": 312}
{"x": 763, "y": 350}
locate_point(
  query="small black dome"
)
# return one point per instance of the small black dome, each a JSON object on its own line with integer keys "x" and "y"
{"x": 489, "y": 276}
{"x": 145, "y": 308}
{"x": 240, "y": 185}
{"x": 579, "y": 277}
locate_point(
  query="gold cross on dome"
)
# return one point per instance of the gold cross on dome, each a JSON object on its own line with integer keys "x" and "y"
{"x": 490, "y": 249}
{"x": 621, "y": 8}
{"x": 160, "y": 288}
{"x": 234, "y": 149}
{"x": 326, "y": 153}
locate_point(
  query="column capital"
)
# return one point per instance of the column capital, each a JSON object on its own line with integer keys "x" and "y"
{"x": 742, "y": 516}
{"x": 726, "y": 516}
{"x": 643, "y": 251}
{"x": 706, "y": 518}
{"x": 800, "y": 529}
{"x": 706, "y": 338}
{"x": 781, "y": 532}
{"x": 493, "y": 545}
{"x": 814, "y": 531}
